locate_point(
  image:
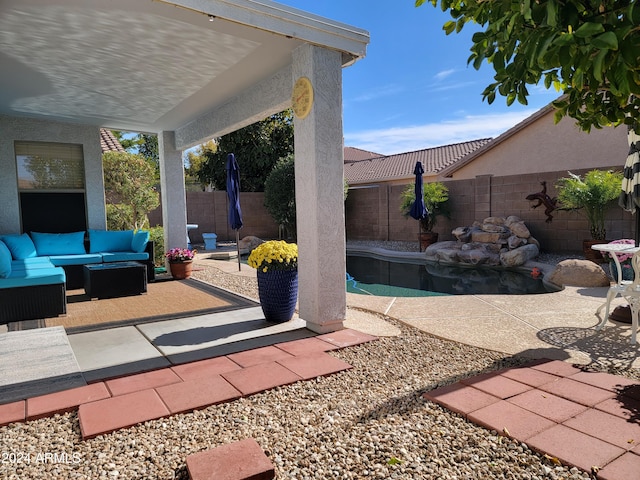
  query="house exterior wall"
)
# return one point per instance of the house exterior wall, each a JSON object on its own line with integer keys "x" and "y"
{"x": 26, "y": 129}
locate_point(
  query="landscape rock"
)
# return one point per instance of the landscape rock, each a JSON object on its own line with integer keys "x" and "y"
{"x": 578, "y": 273}
{"x": 246, "y": 244}
{"x": 519, "y": 229}
{"x": 519, "y": 256}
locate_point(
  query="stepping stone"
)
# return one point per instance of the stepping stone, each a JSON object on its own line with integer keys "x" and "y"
{"x": 243, "y": 460}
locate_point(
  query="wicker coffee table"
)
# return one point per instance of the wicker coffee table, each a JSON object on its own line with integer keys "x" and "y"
{"x": 118, "y": 279}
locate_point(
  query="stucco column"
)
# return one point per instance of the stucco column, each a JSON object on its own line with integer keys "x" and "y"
{"x": 172, "y": 192}
{"x": 319, "y": 169}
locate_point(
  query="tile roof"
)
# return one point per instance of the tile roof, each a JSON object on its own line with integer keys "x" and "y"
{"x": 353, "y": 154}
{"x": 401, "y": 165}
{"x": 109, "y": 142}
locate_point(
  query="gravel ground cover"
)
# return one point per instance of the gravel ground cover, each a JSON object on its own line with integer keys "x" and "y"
{"x": 367, "y": 422}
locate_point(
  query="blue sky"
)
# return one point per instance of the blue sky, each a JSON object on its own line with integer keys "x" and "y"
{"x": 414, "y": 90}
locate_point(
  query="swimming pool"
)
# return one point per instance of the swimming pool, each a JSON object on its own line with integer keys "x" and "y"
{"x": 370, "y": 275}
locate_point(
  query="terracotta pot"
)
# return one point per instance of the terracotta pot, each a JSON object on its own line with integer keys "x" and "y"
{"x": 426, "y": 239}
{"x": 181, "y": 270}
{"x": 591, "y": 254}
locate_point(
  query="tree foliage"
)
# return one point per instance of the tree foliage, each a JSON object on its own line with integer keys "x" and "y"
{"x": 129, "y": 182}
{"x": 257, "y": 148}
{"x": 145, "y": 144}
{"x": 195, "y": 162}
{"x": 280, "y": 194}
{"x": 436, "y": 200}
{"x": 588, "y": 50}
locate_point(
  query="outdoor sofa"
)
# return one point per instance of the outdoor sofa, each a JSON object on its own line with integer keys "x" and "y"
{"x": 36, "y": 269}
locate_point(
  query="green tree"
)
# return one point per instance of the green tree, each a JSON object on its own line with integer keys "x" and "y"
{"x": 195, "y": 161}
{"x": 145, "y": 144}
{"x": 280, "y": 194}
{"x": 130, "y": 192}
{"x": 586, "y": 49}
{"x": 257, "y": 148}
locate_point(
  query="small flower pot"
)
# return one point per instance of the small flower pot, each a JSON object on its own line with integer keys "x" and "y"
{"x": 181, "y": 270}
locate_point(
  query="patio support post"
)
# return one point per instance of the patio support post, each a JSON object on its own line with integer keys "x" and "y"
{"x": 172, "y": 192}
{"x": 319, "y": 167}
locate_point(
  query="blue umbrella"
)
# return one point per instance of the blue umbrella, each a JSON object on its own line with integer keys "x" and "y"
{"x": 418, "y": 209}
{"x": 233, "y": 193}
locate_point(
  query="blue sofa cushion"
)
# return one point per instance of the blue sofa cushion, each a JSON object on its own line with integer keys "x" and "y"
{"x": 84, "y": 259}
{"x": 108, "y": 257}
{"x": 110, "y": 240}
{"x": 20, "y": 246}
{"x": 5, "y": 260}
{"x": 59, "y": 243}
{"x": 33, "y": 277}
{"x": 140, "y": 240}
{"x": 30, "y": 263}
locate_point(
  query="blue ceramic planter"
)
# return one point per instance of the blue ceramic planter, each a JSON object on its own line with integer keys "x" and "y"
{"x": 278, "y": 292}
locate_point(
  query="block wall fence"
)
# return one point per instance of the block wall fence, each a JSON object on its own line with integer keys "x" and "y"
{"x": 373, "y": 212}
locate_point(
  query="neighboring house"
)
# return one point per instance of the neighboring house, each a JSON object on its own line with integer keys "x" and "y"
{"x": 352, "y": 154}
{"x": 109, "y": 142}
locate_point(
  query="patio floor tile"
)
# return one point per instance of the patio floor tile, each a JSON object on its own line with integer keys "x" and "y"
{"x": 546, "y": 404}
{"x": 510, "y": 420}
{"x": 556, "y": 367}
{"x": 314, "y": 365}
{"x": 142, "y": 381}
{"x": 460, "y": 398}
{"x": 233, "y": 461}
{"x": 305, "y": 346}
{"x": 205, "y": 368}
{"x": 574, "y": 448}
{"x": 346, "y": 337}
{"x": 577, "y": 391}
{"x": 65, "y": 401}
{"x": 605, "y": 381}
{"x": 105, "y": 416}
{"x": 621, "y": 406}
{"x": 623, "y": 468}
{"x": 259, "y": 378}
{"x": 495, "y": 384}
{"x": 195, "y": 394}
{"x": 258, "y": 356}
{"x": 12, "y": 412}
{"x": 607, "y": 427}
{"x": 529, "y": 376}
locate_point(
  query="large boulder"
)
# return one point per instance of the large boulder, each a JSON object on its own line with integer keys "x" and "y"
{"x": 519, "y": 256}
{"x": 248, "y": 243}
{"x": 578, "y": 273}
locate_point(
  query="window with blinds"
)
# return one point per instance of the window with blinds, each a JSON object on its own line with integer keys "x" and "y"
{"x": 48, "y": 166}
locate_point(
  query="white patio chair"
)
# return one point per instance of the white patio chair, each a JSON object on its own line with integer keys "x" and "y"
{"x": 632, "y": 294}
{"x": 619, "y": 287}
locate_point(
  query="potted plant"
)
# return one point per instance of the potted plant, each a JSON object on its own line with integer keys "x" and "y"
{"x": 436, "y": 200}
{"x": 276, "y": 262}
{"x": 592, "y": 195}
{"x": 180, "y": 262}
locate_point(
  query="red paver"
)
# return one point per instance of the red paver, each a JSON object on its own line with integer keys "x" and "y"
{"x": 556, "y": 367}
{"x": 205, "y": 368}
{"x": 258, "y": 356}
{"x": 607, "y": 427}
{"x": 105, "y": 416}
{"x": 605, "y": 381}
{"x": 625, "y": 467}
{"x": 621, "y": 406}
{"x": 259, "y": 378}
{"x": 305, "y": 346}
{"x": 529, "y": 376}
{"x": 546, "y": 404}
{"x": 243, "y": 460}
{"x": 65, "y": 401}
{"x": 12, "y": 412}
{"x": 511, "y": 420}
{"x": 574, "y": 448}
{"x": 195, "y": 394}
{"x": 142, "y": 381}
{"x": 346, "y": 338}
{"x": 460, "y": 398}
{"x": 495, "y": 384}
{"x": 314, "y": 365}
{"x": 577, "y": 391}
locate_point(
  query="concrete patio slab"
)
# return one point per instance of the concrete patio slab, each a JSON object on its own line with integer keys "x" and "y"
{"x": 52, "y": 364}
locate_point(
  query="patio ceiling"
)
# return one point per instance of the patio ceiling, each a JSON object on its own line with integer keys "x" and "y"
{"x": 145, "y": 65}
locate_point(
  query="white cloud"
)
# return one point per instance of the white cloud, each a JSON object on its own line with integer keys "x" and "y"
{"x": 444, "y": 74}
{"x": 418, "y": 137}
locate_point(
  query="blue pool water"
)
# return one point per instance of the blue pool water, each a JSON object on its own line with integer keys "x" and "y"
{"x": 373, "y": 276}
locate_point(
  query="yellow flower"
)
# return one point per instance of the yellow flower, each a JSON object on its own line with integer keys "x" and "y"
{"x": 274, "y": 255}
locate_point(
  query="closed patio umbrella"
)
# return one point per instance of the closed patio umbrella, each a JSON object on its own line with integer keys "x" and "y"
{"x": 630, "y": 195}
{"x": 418, "y": 209}
{"x": 233, "y": 193}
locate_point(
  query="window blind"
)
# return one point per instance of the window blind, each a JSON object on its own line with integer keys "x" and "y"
{"x": 49, "y": 166}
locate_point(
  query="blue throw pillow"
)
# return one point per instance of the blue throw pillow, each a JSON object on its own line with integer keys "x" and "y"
{"x": 110, "y": 241}
{"x": 59, "y": 243}
{"x": 5, "y": 261}
{"x": 20, "y": 246}
{"x": 140, "y": 240}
